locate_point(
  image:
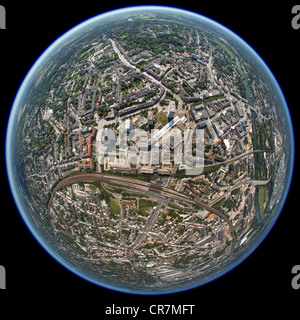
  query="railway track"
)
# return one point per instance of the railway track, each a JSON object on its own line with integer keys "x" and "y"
{"x": 143, "y": 186}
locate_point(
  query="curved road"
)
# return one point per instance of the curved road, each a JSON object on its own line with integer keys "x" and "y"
{"x": 243, "y": 155}
{"x": 144, "y": 186}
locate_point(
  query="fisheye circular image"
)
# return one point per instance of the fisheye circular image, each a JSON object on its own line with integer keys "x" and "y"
{"x": 149, "y": 150}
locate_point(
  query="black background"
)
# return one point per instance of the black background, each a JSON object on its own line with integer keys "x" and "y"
{"x": 260, "y": 285}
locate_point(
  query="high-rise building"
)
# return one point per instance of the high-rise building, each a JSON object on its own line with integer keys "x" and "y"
{"x": 150, "y": 119}
{"x": 171, "y": 110}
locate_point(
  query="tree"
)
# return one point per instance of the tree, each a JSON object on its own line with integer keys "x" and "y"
{"x": 162, "y": 102}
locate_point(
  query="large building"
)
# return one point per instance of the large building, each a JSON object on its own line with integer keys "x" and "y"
{"x": 199, "y": 114}
{"x": 165, "y": 129}
{"x": 128, "y": 125}
{"x": 150, "y": 119}
{"x": 171, "y": 110}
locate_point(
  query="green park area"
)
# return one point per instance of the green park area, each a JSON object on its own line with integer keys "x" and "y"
{"x": 114, "y": 206}
{"x": 162, "y": 118}
{"x": 145, "y": 205}
{"x": 263, "y": 199}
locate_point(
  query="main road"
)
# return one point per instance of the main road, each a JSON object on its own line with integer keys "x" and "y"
{"x": 142, "y": 186}
{"x": 130, "y": 65}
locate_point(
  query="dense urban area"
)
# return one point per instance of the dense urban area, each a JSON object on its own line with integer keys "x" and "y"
{"x": 127, "y": 211}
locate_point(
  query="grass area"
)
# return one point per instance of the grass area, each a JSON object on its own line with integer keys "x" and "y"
{"x": 25, "y": 124}
{"x": 263, "y": 198}
{"x": 145, "y": 205}
{"x": 226, "y": 203}
{"x": 123, "y": 36}
{"x": 115, "y": 206}
{"x": 84, "y": 54}
{"x": 131, "y": 195}
{"x": 211, "y": 168}
{"x": 225, "y": 48}
{"x": 212, "y": 98}
{"x": 235, "y": 191}
{"x": 162, "y": 118}
{"x": 114, "y": 189}
{"x": 197, "y": 103}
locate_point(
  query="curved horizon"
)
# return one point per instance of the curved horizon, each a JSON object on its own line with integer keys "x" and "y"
{"x": 13, "y": 118}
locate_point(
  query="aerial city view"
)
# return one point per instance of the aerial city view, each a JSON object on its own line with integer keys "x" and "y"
{"x": 149, "y": 150}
